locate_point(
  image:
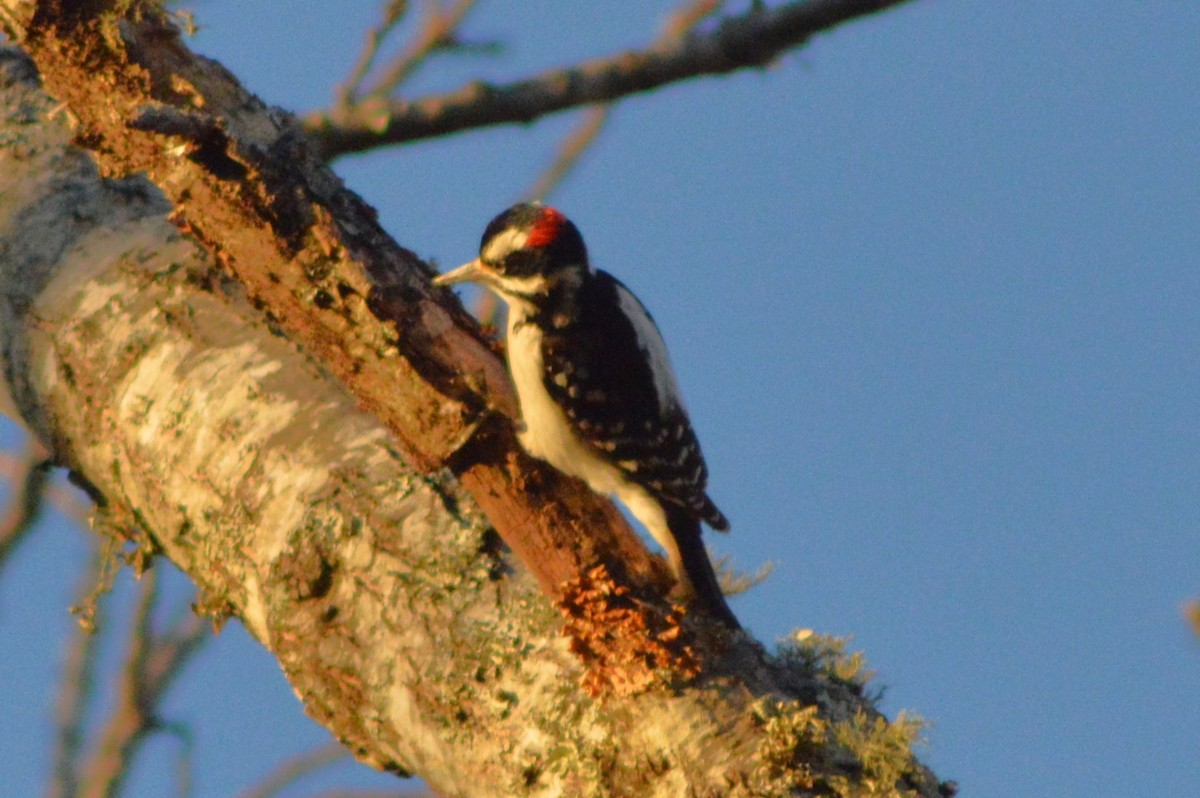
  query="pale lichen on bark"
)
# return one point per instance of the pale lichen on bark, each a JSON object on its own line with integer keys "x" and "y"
{"x": 252, "y": 470}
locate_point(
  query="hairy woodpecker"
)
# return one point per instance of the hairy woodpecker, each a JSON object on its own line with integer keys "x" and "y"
{"x": 599, "y": 400}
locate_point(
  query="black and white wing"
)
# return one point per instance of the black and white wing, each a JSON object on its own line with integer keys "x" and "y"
{"x": 609, "y": 371}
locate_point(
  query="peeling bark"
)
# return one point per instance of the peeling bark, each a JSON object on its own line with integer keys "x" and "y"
{"x": 311, "y": 255}
{"x": 307, "y": 480}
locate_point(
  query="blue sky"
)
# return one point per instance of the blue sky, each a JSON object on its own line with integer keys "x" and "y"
{"x": 930, "y": 285}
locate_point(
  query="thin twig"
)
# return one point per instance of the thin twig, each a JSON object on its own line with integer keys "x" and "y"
{"x": 152, "y": 664}
{"x": 570, "y": 151}
{"x": 109, "y": 764}
{"x": 62, "y": 497}
{"x": 291, "y": 770}
{"x": 349, "y": 90}
{"x": 438, "y": 33}
{"x": 172, "y": 650}
{"x": 686, "y": 17}
{"x": 581, "y": 137}
{"x": 754, "y": 38}
{"x": 183, "y": 765}
{"x": 76, "y": 686}
{"x": 29, "y": 490}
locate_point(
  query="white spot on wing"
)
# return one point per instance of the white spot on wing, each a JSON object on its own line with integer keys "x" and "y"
{"x": 651, "y": 343}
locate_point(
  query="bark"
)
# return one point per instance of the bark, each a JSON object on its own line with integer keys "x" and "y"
{"x": 331, "y": 479}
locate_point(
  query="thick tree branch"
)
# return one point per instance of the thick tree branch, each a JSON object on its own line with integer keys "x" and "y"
{"x": 749, "y": 40}
{"x": 338, "y": 539}
{"x": 313, "y": 257}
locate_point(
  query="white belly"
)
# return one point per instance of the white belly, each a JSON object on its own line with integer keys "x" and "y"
{"x": 548, "y": 436}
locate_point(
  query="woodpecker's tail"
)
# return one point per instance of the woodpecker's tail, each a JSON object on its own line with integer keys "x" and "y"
{"x": 694, "y": 570}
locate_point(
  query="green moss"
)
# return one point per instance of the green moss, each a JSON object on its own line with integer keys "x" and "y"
{"x": 826, "y": 656}
{"x": 884, "y": 752}
{"x": 806, "y": 750}
{"x": 794, "y": 740}
{"x": 862, "y": 757}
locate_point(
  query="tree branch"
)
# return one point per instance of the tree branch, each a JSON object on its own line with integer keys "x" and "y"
{"x": 63, "y": 498}
{"x": 749, "y": 40}
{"x": 292, "y": 770}
{"x": 29, "y": 490}
{"x": 153, "y": 662}
{"x": 76, "y": 687}
{"x": 350, "y": 89}
{"x": 313, "y": 256}
{"x": 336, "y": 535}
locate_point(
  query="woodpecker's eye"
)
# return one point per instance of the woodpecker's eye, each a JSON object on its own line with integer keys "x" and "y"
{"x": 519, "y": 262}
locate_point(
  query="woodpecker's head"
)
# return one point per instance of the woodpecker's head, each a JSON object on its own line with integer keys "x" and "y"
{"x": 526, "y": 253}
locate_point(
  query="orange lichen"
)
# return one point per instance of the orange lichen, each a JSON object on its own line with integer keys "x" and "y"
{"x": 626, "y": 646}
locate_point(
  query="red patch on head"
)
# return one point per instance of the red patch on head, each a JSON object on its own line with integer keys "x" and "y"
{"x": 546, "y": 228}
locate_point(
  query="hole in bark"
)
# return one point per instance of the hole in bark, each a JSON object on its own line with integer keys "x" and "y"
{"x": 324, "y": 581}
{"x": 212, "y": 156}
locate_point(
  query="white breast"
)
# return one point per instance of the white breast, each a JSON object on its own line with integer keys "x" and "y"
{"x": 547, "y": 434}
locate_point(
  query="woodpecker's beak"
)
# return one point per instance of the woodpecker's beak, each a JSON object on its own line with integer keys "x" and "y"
{"x": 468, "y": 272}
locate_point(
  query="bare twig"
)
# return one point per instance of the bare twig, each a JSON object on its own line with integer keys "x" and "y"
{"x": 751, "y": 39}
{"x": 152, "y": 664}
{"x": 29, "y": 489}
{"x": 75, "y": 688}
{"x": 573, "y": 146}
{"x": 570, "y": 151}
{"x": 1191, "y": 613}
{"x": 684, "y": 18}
{"x": 61, "y": 497}
{"x": 183, "y": 766}
{"x": 109, "y": 764}
{"x": 439, "y": 32}
{"x": 295, "y": 768}
{"x": 350, "y": 89}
